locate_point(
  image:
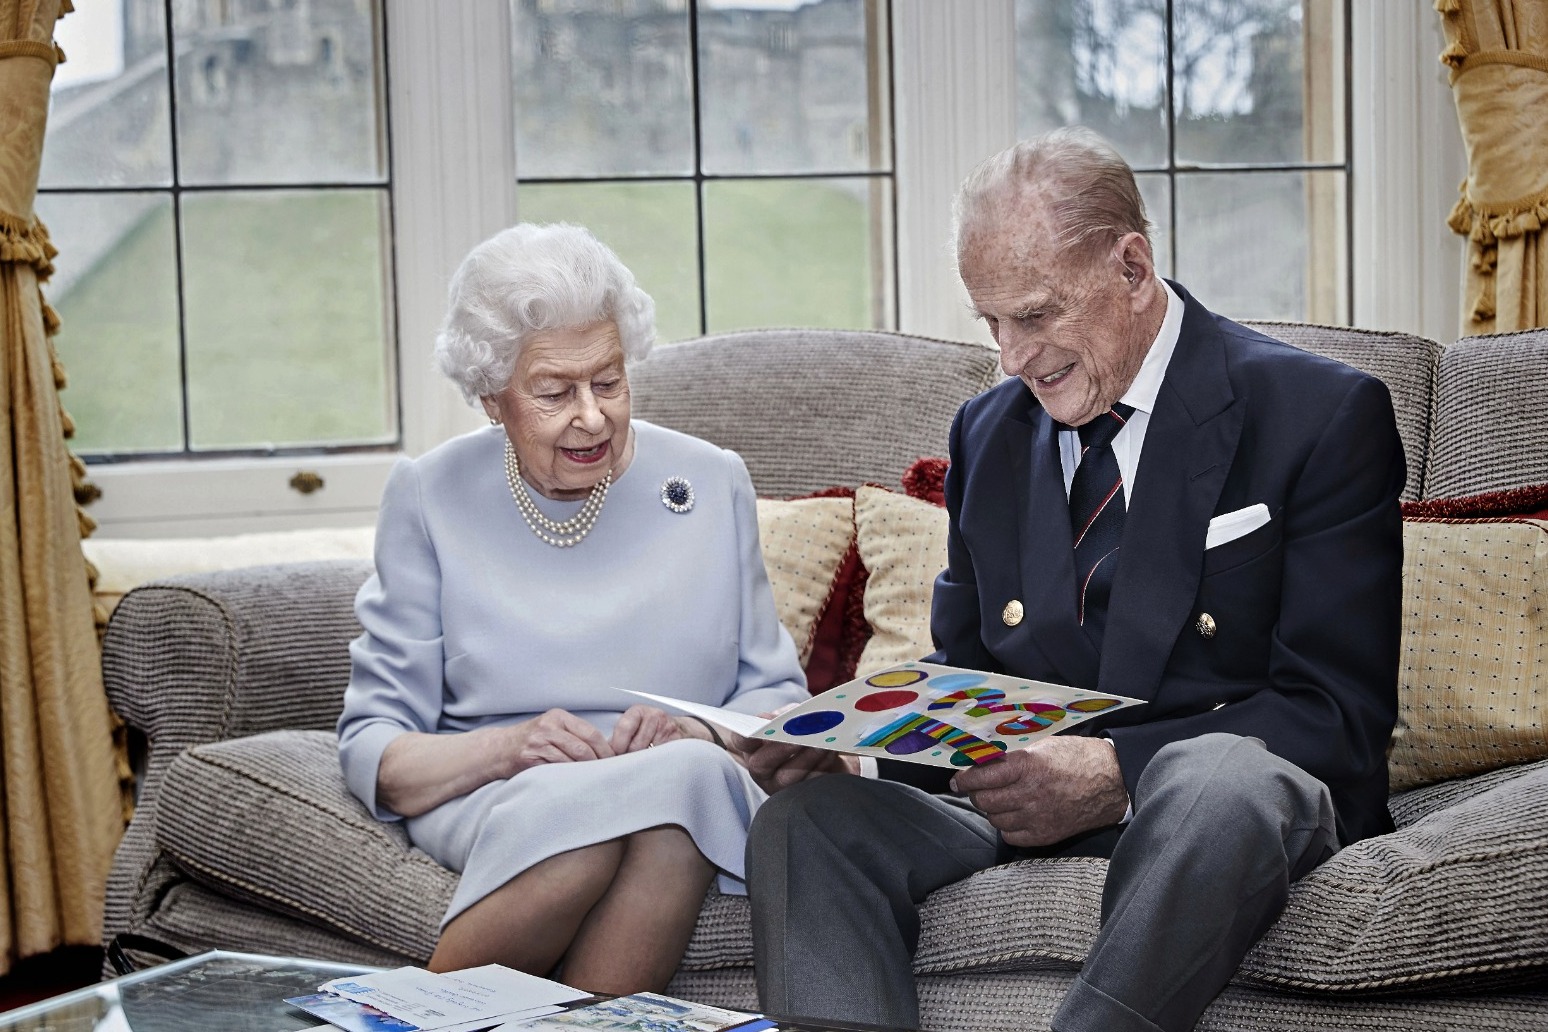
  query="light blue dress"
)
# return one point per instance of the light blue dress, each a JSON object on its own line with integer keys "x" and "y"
{"x": 471, "y": 621}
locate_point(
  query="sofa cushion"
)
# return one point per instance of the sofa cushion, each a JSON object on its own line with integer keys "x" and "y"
{"x": 902, "y": 542}
{"x": 268, "y": 819}
{"x": 1405, "y": 363}
{"x": 1428, "y": 908}
{"x": 1487, "y": 433}
{"x": 1530, "y": 501}
{"x": 805, "y": 541}
{"x": 1474, "y": 660}
{"x": 808, "y": 409}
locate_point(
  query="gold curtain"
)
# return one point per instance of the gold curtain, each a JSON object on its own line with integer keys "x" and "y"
{"x": 60, "y": 811}
{"x": 1498, "y": 54}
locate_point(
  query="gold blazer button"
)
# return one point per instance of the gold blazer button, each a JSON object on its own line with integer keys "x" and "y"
{"x": 1012, "y": 613}
{"x": 1205, "y": 626}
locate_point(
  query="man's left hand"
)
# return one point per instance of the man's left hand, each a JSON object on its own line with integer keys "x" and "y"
{"x": 1049, "y": 791}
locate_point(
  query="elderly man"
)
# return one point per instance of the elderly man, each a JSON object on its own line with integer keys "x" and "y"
{"x": 1161, "y": 504}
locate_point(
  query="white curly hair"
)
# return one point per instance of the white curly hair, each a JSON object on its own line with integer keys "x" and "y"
{"x": 529, "y": 278}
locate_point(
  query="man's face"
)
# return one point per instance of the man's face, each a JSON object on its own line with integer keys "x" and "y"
{"x": 1066, "y": 323}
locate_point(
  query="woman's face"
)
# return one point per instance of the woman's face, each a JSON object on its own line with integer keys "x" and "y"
{"x": 566, "y": 409}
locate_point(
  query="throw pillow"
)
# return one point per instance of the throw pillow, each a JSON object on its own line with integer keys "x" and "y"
{"x": 805, "y": 541}
{"x": 902, "y": 542}
{"x": 1531, "y": 502}
{"x": 926, "y": 479}
{"x": 1473, "y": 680}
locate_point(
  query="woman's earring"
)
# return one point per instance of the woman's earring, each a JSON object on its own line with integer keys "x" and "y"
{"x": 493, "y": 421}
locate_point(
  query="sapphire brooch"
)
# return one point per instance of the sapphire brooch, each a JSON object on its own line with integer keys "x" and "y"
{"x": 677, "y": 494}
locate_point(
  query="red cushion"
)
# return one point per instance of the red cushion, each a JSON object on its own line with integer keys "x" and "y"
{"x": 1528, "y": 502}
{"x": 926, "y": 479}
{"x": 831, "y": 662}
{"x": 842, "y": 630}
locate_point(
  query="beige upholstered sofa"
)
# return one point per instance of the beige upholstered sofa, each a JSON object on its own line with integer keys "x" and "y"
{"x": 246, "y": 838}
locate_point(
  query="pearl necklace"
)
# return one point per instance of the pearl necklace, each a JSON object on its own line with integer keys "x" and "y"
{"x": 559, "y": 533}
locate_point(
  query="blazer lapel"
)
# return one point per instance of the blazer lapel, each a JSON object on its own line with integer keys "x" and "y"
{"x": 1046, "y": 557}
{"x": 1189, "y": 446}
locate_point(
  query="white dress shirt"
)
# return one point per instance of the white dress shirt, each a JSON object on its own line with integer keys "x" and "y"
{"x": 1141, "y": 396}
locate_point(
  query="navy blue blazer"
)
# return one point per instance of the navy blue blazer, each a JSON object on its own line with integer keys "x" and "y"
{"x": 1306, "y": 608}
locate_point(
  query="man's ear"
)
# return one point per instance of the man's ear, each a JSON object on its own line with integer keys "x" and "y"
{"x": 1133, "y": 254}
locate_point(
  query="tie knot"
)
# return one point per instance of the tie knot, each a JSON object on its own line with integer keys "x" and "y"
{"x": 1099, "y": 432}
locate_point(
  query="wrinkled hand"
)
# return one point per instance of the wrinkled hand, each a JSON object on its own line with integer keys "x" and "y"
{"x": 777, "y": 765}
{"x": 641, "y": 727}
{"x": 1049, "y": 791}
{"x": 557, "y": 736}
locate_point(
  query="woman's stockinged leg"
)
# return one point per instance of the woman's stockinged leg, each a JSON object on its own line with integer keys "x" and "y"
{"x": 529, "y": 922}
{"x": 634, "y": 937}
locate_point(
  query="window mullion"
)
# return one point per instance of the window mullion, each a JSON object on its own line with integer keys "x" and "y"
{"x": 454, "y": 176}
{"x": 954, "y": 69}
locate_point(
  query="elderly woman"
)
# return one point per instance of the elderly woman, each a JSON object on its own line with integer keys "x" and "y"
{"x": 524, "y": 573}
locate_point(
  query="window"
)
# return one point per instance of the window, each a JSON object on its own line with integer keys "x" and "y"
{"x": 735, "y": 153}
{"x": 159, "y": 343}
{"x": 1233, "y": 115}
{"x": 215, "y": 177}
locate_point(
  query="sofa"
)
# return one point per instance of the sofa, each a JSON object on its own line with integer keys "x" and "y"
{"x": 245, "y": 837}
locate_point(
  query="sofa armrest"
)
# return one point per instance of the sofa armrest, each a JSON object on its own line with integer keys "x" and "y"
{"x": 206, "y": 657}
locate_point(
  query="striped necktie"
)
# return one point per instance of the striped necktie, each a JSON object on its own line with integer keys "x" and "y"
{"x": 1096, "y": 518}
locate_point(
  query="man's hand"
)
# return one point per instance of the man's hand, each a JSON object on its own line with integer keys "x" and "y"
{"x": 1049, "y": 791}
{"x": 777, "y": 765}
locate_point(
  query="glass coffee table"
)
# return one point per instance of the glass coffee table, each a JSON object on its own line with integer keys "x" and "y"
{"x": 222, "y": 991}
{"x": 231, "y": 992}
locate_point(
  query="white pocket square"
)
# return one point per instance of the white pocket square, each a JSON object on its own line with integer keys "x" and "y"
{"x": 1229, "y": 526}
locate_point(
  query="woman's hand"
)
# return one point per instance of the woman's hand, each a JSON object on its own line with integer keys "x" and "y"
{"x": 641, "y": 727}
{"x": 558, "y": 736}
{"x": 777, "y": 765}
{"x": 420, "y": 771}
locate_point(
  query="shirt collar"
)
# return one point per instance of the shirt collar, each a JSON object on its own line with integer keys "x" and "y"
{"x": 1142, "y": 393}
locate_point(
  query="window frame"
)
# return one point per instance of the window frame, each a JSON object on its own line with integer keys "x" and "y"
{"x": 454, "y": 180}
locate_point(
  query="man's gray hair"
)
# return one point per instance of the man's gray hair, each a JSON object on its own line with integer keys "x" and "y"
{"x": 1090, "y": 189}
{"x": 530, "y": 278}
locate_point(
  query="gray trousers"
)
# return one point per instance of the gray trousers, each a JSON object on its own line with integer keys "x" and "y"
{"x": 838, "y": 865}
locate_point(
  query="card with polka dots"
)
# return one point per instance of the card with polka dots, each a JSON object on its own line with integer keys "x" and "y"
{"x": 924, "y": 713}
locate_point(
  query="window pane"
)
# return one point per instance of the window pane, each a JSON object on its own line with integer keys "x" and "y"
{"x": 286, "y": 318}
{"x": 1098, "y": 63}
{"x": 109, "y": 114}
{"x": 599, "y": 91}
{"x": 1245, "y": 70}
{"x": 807, "y": 252}
{"x": 115, "y": 289}
{"x": 277, "y": 93}
{"x": 1284, "y": 234}
{"x": 792, "y": 86}
{"x": 1156, "y": 191}
{"x": 652, "y": 228}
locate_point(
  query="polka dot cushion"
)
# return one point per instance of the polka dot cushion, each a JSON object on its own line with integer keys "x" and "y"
{"x": 902, "y": 543}
{"x": 1473, "y": 680}
{"x": 804, "y": 541}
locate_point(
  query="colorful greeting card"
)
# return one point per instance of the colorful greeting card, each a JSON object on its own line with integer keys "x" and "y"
{"x": 924, "y": 713}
